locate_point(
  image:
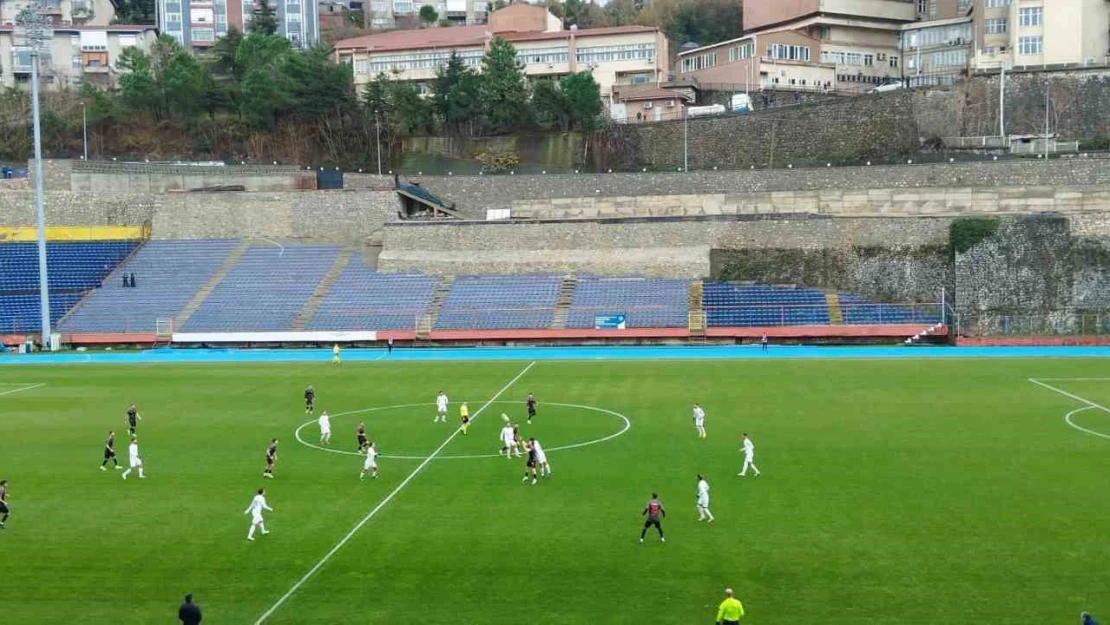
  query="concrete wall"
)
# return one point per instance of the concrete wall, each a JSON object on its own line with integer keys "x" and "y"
{"x": 333, "y": 215}
{"x": 136, "y": 178}
{"x": 940, "y": 201}
{"x": 673, "y": 247}
{"x": 476, "y": 194}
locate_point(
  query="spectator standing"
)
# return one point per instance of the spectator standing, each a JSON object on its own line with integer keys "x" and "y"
{"x": 730, "y": 611}
{"x": 189, "y": 612}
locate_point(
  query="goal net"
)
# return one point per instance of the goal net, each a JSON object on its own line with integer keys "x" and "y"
{"x": 163, "y": 331}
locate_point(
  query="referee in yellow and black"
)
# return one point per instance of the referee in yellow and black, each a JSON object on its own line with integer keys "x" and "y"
{"x": 730, "y": 610}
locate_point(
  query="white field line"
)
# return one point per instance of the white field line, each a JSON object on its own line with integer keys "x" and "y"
{"x": 1090, "y": 404}
{"x": 343, "y": 541}
{"x": 23, "y": 388}
{"x": 627, "y": 426}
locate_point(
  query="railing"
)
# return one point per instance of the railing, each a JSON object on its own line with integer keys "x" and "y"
{"x": 1062, "y": 322}
{"x": 1038, "y": 146}
{"x": 808, "y": 314}
{"x": 971, "y": 143}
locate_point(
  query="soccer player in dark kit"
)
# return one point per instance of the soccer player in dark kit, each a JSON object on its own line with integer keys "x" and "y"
{"x": 271, "y": 458}
{"x": 110, "y": 451}
{"x": 4, "y": 510}
{"x": 655, "y": 514}
{"x": 361, "y": 432}
{"x": 133, "y": 419}
{"x": 531, "y": 403}
{"x": 310, "y": 400}
{"x": 530, "y": 465}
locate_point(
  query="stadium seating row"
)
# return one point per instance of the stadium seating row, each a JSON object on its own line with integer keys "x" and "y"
{"x": 268, "y": 286}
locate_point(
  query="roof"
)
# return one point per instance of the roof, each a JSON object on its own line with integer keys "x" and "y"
{"x": 463, "y": 36}
{"x": 716, "y": 45}
{"x": 114, "y": 28}
{"x": 653, "y": 94}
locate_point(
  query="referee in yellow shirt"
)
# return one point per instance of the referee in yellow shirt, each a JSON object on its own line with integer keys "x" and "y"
{"x": 730, "y": 610}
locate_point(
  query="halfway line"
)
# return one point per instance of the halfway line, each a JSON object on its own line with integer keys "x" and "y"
{"x": 370, "y": 515}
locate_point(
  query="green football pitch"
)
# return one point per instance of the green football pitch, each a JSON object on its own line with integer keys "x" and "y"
{"x": 894, "y": 491}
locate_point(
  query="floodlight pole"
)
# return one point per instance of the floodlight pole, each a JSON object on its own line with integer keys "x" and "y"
{"x": 85, "y": 132}
{"x": 32, "y": 21}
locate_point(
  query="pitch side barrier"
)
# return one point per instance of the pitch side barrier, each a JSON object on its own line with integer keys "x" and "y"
{"x": 193, "y": 338}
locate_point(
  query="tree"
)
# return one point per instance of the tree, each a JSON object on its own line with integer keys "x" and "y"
{"x": 136, "y": 83}
{"x": 707, "y": 22}
{"x": 582, "y": 97}
{"x": 503, "y": 91}
{"x": 134, "y": 12}
{"x": 455, "y": 94}
{"x": 549, "y": 104}
{"x": 428, "y": 15}
{"x": 263, "y": 20}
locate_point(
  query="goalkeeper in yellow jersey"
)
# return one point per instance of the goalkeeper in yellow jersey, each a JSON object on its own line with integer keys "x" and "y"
{"x": 464, "y": 415}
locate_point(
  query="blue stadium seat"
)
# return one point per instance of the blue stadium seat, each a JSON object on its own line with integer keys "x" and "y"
{"x": 645, "y": 302}
{"x": 733, "y": 304}
{"x": 362, "y": 299}
{"x": 499, "y": 302}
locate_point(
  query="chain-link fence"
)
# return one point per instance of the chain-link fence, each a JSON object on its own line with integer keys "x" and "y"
{"x": 1064, "y": 322}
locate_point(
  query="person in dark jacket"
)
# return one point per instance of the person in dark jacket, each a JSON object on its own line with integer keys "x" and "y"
{"x": 189, "y": 612}
{"x": 1087, "y": 619}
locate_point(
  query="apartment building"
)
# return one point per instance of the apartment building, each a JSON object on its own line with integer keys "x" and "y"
{"x": 197, "y": 24}
{"x": 385, "y": 14}
{"x": 1037, "y": 33}
{"x": 808, "y": 45}
{"x": 75, "y": 54}
{"x": 623, "y": 55}
{"x": 62, "y": 12}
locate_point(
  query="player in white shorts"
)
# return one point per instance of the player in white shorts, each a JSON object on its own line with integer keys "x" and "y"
{"x": 441, "y": 407}
{"x": 133, "y": 456}
{"x": 703, "y": 500}
{"x": 541, "y": 458}
{"x": 699, "y": 420}
{"x": 370, "y": 465}
{"x": 325, "y": 428}
{"x": 258, "y": 504}
{"x": 508, "y": 442}
{"x": 749, "y": 456}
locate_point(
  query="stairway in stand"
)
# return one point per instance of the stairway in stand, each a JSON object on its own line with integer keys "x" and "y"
{"x": 697, "y": 312}
{"x": 322, "y": 289}
{"x": 563, "y": 302}
{"x": 836, "y": 315}
{"x": 206, "y": 290}
{"x": 427, "y": 321}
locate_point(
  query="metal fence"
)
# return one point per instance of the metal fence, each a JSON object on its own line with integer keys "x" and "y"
{"x": 1063, "y": 322}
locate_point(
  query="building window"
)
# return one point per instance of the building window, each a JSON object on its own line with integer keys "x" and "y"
{"x": 997, "y": 4}
{"x": 203, "y": 35}
{"x": 869, "y": 60}
{"x": 824, "y": 33}
{"x": 543, "y": 56}
{"x": 995, "y": 26}
{"x": 641, "y": 79}
{"x": 632, "y": 52}
{"x": 786, "y": 52}
{"x": 403, "y": 8}
{"x": 1029, "y": 45}
{"x": 949, "y": 58}
{"x": 1029, "y": 16}
{"x": 741, "y": 52}
{"x": 893, "y": 62}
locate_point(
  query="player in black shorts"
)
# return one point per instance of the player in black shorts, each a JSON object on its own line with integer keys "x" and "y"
{"x": 4, "y": 510}
{"x": 531, "y": 402}
{"x": 110, "y": 451}
{"x": 655, "y": 514}
{"x": 361, "y": 432}
{"x": 310, "y": 400}
{"x": 133, "y": 419}
{"x": 271, "y": 457}
{"x": 530, "y": 464}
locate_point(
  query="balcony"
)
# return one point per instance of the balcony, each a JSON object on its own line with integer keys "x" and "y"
{"x": 50, "y": 7}
{"x": 80, "y": 10}
{"x": 96, "y": 69}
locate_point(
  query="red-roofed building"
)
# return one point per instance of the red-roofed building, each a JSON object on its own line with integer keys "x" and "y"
{"x": 621, "y": 55}
{"x": 649, "y": 105}
{"x": 75, "y": 54}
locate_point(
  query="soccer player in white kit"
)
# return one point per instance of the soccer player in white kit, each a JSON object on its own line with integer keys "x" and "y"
{"x": 258, "y": 504}
{"x": 133, "y": 456}
{"x": 508, "y": 442}
{"x": 370, "y": 465}
{"x": 703, "y": 499}
{"x": 441, "y": 407}
{"x": 325, "y": 428}
{"x": 541, "y": 458}
{"x": 699, "y": 420}
{"x": 749, "y": 456}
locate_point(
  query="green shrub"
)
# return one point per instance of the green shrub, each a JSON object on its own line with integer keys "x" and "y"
{"x": 966, "y": 232}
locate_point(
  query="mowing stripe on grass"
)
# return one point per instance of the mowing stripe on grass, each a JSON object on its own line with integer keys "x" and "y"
{"x": 24, "y": 388}
{"x": 1067, "y": 418}
{"x": 390, "y": 496}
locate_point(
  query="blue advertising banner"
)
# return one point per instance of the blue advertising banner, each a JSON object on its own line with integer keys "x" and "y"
{"x": 609, "y": 322}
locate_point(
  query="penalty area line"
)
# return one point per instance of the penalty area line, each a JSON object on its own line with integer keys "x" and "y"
{"x": 354, "y": 530}
{"x": 1067, "y": 418}
{"x": 24, "y": 388}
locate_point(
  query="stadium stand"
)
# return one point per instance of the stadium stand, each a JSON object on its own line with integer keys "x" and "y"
{"x": 73, "y": 267}
{"x": 730, "y": 304}
{"x": 499, "y": 302}
{"x": 362, "y": 299}
{"x": 168, "y": 274}
{"x": 264, "y": 290}
{"x": 858, "y": 311}
{"x": 645, "y": 302}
